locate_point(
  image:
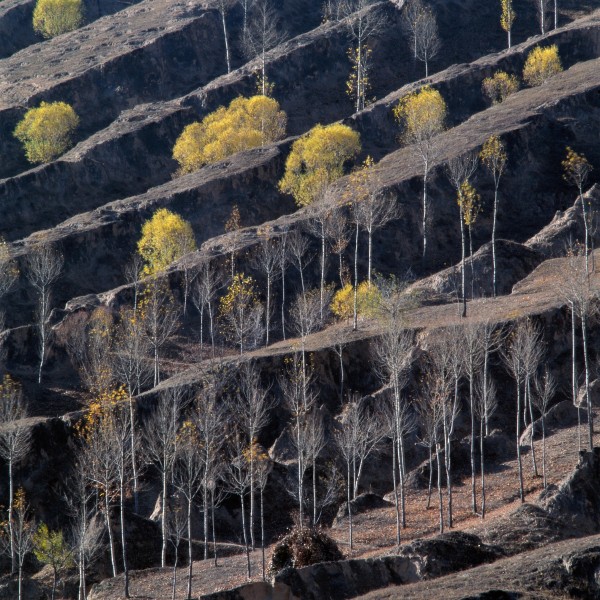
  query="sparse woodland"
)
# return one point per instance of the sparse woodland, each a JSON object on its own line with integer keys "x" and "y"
{"x": 236, "y": 331}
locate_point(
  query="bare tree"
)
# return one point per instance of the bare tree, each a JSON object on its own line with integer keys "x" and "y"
{"x": 262, "y": 33}
{"x": 545, "y": 386}
{"x": 459, "y": 170}
{"x": 160, "y": 316}
{"x": 263, "y": 466}
{"x": 44, "y": 266}
{"x": 237, "y": 479}
{"x": 268, "y": 259}
{"x": 160, "y": 438}
{"x": 485, "y": 405}
{"x": 204, "y": 294}
{"x": 541, "y": 7}
{"x": 315, "y": 442}
{"x": 298, "y": 246}
{"x": 132, "y": 367}
{"x": 580, "y": 292}
{"x": 176, "y": 527}
{"x": 427, "y": 38}
{"x": 411, "y": 14}
{"x": 250, "y": 408}
{"x": 223, "y": 7}
{"x": 132, "y": 272}
{"x": 247, "y": 6}
{"x": 284, "y": 259}
{"x": 375, "y": 212}
{"x": 15, "y": 442}
{"x": 337, "y": 230}
{"x": 188, "y": 478}
{"x": 22, "y": 530}
{"x": 394, "y": 356}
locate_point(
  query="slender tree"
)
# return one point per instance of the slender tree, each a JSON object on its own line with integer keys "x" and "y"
{"x": 15, "y": 442}
{"x": 507, "y": 18}
{"x": 541, "y": 7}
{"x": 545, "y": 387}
{"x": 493, "y": 156}
{"x": 427, "y": 38}
{"x": 50, "y": 548}
{"x": 204, "y": 295}
{"x": 44, "y": 266}
{"x": 223, "y": 7}
{"x": 411, "y": 14}
{"x": 22, "y": 532}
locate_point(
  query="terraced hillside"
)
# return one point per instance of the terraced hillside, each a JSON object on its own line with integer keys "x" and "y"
{"x": 137, "y": 74}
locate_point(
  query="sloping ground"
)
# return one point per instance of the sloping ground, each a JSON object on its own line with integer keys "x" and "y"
{"x": 562, "y": 570}
{"x": 154, "y": 50}
{"x": 529, "y": 120}
{"x": 134, "y": 152}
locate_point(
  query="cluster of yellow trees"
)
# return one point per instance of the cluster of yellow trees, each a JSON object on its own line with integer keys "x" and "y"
{"x": 541, "y": 65}
{"x": 55, "y": 17}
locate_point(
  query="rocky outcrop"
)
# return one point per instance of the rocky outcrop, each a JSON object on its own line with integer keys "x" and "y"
{"x": 362, "y": 503}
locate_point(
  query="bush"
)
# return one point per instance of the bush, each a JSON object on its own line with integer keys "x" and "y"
{"x": 301, "y": 548}
{"x": 246, "y": 123}
{"x": 541, "y": 64}
{"x": 500, "y": 86}
{"x": 53, "y": 17}
{"x": 46, "y": 132}
{"x": 368, "y": 301}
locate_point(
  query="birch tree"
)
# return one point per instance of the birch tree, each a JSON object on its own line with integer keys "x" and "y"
{"x": 427, "y": 38}
{"x": 204, "y": 295}
{"x": 507, "y": 18}
{"x": 44, "y": 266}
{"x": 411, "y": 14}
{"x": 545, "y": 388}
{"x": 223, "y": 7}
{"x": 15, "y": 442}
{"x": 494, "y": 157}
{"x": 422, "y": 115}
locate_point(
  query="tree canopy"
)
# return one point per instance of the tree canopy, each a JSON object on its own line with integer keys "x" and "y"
{"x": 46, "y": 131}
{"x": 317, "y": 159}
{"x": 541, "y": 64}
{"x": 500, "y": 86}
{"x": 246, "y": 123}
{"x": 53, "y": 17}
{"x": 422, "y": 113}
{"x": 165, "y": 238}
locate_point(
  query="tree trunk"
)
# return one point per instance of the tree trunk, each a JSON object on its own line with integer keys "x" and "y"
{"x": 205, "y": 509}
{"x": 212, "y": 517}
{"x": 252, "y": 499}
{"x": 448, "y": 467}
{"x": 212, "y": 331}
{"x": 463, "y": 264}
{"x": 268, "y": 313}
{"x": 473, "y": 433}
{"x": 11, "y": 497}
{"x": 314, "y": 488}
{"x": 430, "y": 475}
{"x": 586, "y": 231}
{"x": 509, "y": 41}
{"x": 349, "y": 486}
{"x": 226, "y": 52}
{"x": 123, "y": 538}
{"x": 555, "y": 14}
{"x": 439, "y": 486}
{"x": 587, "y": 384}
{"x": 358, "y": 75}
{"x": 521, "y": 492}
{"x": 494, "y": 221}
{"x": 245, "y": 535}
{"x": 530, "y": 401}
{"x": 20, "y": 581}
{"x": 544, "y": 449}
{"x": 402, "y": 479}
{"x": 482, "y": 465}
{"x": 163, "y": 521}
{"x": 370, "y": 262}
{"x": 262, "y": 532}
{"x": 396, "y": 504}
{"x": 136, "y": 500}
{"x": 355, "y": 316}
{"x": 174, "y": 573}
{"x": 111, "y": 541}
{"x": 471, "y": 262}
{"x": 54, "y": 578}
{"x": 190, "y": 557}
{"x": 424, "y": 223}
{"x": 322, "y": 268}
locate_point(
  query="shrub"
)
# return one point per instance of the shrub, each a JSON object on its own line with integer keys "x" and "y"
{"x": 46, "y": 132}
{"x": 300, "y": 548}
{"x": 246, "y": 123}
{"x": 53, "y": 17}
{"x": 541, "y": 64}
{"x": 500, "y": 86}
{"x": 368, "y": 301}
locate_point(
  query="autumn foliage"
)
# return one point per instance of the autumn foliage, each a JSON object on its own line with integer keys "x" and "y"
{"x": 165, "y": 238}
{"x": 46, "y": 131}
{"x": 500, "y": 86}
{"x": 246, "y": 123}
{"x": 317, "y": 159}
{"x": 368, "y": 301}
{"x": 54, "y": 17}
{"x": 541, "y": 64}
{"x": 422, "y": 114}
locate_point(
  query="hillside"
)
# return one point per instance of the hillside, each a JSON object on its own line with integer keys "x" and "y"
{"x": 371, "y": 363}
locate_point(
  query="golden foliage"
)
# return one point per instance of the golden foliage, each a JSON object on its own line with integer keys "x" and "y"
{"x": 422, "y": 114}
{"x": 368, "y": 301}
{"x": 54, "y": 17}
{"x": 50, "y": 548}
{"x": 358, "y": 84}
{"x": 317, "y": 159}
{"x": 541, "y": 64}
{"x": 240, "y": 293}
{"x": 9, "y": 388}
{"x": 470, "y": 202}
{"x": 493, "y": 155}
{"x": 165, "y": 238}
{"x": 246, "y": 123}
{"x": 99, "y": 411}
{"x": 500, "y": 86}
{"x": 508, "y": 15}
{"x": 576, "y": 168}
{"x": 46, "y": 131}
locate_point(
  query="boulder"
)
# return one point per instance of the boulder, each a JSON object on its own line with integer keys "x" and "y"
{"x": 362, "y": 503}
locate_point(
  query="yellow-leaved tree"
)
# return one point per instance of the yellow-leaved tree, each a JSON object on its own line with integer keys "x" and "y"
{"x": 53, "y": 17}
{"x": 368, "y": 301}
{"x": 507, "y": 17}
{"x": 246, "y": 123}
{"x": 500, "y": 86}
{"x": 317, "y": 159}
{"x": 422, "y": 115}
{"x": 165, "y": 238}
{"x": 46, "y": 131}
{"x": 541, "y": 64}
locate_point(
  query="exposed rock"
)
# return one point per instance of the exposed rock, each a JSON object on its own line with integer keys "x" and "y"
{"x": 563, "y": 414}
{"x": 362, "y": 503}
